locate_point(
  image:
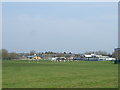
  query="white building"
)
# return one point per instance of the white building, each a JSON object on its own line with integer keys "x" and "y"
{"x": 100, "y": 57}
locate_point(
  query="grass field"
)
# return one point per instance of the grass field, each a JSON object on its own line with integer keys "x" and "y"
{"x": 47, "y": 74}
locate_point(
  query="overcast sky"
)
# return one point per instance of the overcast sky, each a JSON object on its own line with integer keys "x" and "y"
{"x": 71, "y": 27}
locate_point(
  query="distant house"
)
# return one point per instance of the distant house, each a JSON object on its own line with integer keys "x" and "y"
{"x": 88, "y": 56}
{"x": 34, "y": 57}
{"x": 106, "y": 58}
{"x": 99, "y": 57}
{"x": 58, "y": 58}
{"x": 71, "y": 58}
{"x": 54, "y": 58}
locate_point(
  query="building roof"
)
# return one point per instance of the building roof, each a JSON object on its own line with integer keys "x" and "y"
{"x": 31, "y": 56}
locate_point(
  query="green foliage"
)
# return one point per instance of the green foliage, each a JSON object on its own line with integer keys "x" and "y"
{"x": 47, "y": 74}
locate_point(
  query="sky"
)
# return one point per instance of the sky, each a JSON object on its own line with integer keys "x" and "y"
{"x": 59, "y": 26}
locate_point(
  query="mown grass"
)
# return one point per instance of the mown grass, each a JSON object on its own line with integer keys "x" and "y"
{"x": 47, "y": 74}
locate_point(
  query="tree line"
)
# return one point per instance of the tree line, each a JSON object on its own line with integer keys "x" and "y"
{"x": 4, "y": 54}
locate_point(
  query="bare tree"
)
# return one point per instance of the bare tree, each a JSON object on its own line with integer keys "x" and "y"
{"x": 5, "y": 54}
{"x": 116, "y": 54}
{"x": 32, "y": 52}
{"x": 101, "y": 53}
{"x": 12, "y": 55}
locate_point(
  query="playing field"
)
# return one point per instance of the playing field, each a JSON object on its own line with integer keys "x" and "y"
{"x": 48, "y": 74}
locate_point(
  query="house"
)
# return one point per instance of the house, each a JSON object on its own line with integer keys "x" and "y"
{"x": 58, "y": 58}
{"x": 54, "y": 58}
{"x": 34, "y": 57}
{"x": 106, "y": 58}
{"x": 99, "y": 57}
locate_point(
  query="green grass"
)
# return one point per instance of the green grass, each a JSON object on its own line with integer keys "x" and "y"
{"x": 47, "y": 74}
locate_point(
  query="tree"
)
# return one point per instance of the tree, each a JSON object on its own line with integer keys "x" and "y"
{"x": 97, "y": 52}
{"x": 69, "y": 53}
{"x": 64, "y": 52}
{"x": 12, "y": 55}
{"x": 116, "y": 54}
{"x": 5, "y": 54}
{"x": 89, "y": 52}
{"x": 46, "y": 52}
{"x": 32, "y": 52}
{"x": 101, "y": 53}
